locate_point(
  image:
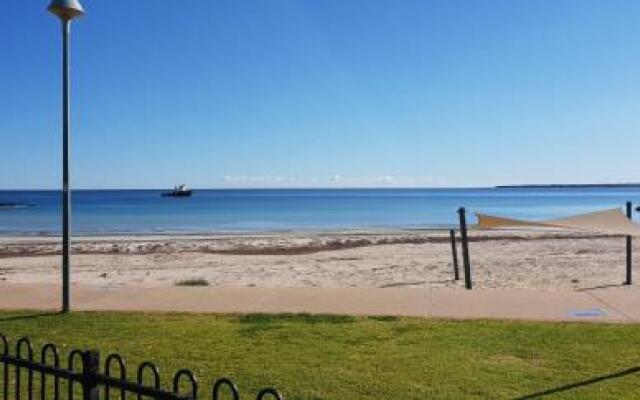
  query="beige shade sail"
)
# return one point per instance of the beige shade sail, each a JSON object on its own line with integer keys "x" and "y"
{"x": 611, "y": 221}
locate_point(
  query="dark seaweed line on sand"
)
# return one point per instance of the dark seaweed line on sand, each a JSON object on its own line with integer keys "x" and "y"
{"x": 19, "y": 251}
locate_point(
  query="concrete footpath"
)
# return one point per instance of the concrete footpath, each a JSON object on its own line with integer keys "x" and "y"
{"x": 608, "y": 304}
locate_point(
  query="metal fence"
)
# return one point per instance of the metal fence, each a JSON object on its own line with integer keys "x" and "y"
{"x": 83, "y": 378}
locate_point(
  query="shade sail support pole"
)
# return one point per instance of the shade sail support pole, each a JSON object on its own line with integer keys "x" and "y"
{"x": 629, "y": 279}
{"x": 468, "y": 283}
{"x": 454, "y": 253}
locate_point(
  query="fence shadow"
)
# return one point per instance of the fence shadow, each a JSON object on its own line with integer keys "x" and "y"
{"x": 576, "y": 385}
{"x": 30, "y": 316}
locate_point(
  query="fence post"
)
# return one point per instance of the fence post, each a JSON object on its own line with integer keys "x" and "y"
{"x": 629, "y": 280}
{"x": 90, "y": 368}
{"x": 468, "y": 284}
{"x": 454, "y": 251}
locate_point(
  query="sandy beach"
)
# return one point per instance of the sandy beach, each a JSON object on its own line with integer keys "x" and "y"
{"x": 384, "y": 259}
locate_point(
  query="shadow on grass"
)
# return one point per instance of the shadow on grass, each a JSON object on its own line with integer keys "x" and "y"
{"x": 384, "y": 318}
{"x": 613, "y": 285}
{"x": 31, "y": 316}
{"x": 577, "y": 385}
{"x": 266, "y": 319}
{"x": 258, "y": 324}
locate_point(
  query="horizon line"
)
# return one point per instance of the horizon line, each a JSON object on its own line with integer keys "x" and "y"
{"x": 461, "y": 187}
{"x": 265, "y": 188}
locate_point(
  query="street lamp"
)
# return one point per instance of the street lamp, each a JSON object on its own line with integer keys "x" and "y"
{"x": 66, "y": 10}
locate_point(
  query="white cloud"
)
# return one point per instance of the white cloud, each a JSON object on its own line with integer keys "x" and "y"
{"x": 336, "y": 180}
{"x": 387, "y": 179}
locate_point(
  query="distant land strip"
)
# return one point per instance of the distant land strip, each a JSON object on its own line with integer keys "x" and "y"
{"x": 571, "y": 185}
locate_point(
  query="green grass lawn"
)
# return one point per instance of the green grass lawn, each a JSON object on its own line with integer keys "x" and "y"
{"x": 324, "y": 357}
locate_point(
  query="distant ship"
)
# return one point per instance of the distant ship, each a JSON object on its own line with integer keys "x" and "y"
{"x": 13, "y": 206}
{"x": 178, "y": 191}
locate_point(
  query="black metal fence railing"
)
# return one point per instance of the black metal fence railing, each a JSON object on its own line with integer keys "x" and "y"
{"x": 46, "y": 379}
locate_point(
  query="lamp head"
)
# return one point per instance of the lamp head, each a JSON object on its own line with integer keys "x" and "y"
{"x": 66, "y": 9}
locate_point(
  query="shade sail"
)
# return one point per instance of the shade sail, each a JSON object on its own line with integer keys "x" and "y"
{"x": 611, "y": 221}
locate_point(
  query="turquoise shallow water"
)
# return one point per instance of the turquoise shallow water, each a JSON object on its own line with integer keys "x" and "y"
{"x": 208, "y": 211}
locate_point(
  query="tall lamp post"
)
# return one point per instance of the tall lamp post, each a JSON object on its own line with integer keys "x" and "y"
{"x": 66, "y": 10}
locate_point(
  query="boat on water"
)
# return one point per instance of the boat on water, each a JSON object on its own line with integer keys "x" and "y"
{"x": 178, "y": 191}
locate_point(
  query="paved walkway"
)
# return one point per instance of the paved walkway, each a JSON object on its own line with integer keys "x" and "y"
{"x": 610, "y": 304}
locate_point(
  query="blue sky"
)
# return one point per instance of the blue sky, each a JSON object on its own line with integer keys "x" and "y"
{"x": 328, "y": 93}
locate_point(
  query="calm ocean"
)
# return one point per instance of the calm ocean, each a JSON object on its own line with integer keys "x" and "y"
{"x": 145, "y": 211}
